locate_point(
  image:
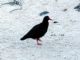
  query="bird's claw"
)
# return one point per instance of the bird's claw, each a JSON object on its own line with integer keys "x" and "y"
{"x": 39, "y": 44}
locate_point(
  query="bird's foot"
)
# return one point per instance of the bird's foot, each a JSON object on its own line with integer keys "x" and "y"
{"x": 39, "y": 44}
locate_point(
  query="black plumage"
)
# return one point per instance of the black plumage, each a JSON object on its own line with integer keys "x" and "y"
{"x": 38, "y": 31}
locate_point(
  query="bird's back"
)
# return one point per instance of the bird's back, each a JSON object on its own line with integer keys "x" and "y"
{"x": 37, "y": 31}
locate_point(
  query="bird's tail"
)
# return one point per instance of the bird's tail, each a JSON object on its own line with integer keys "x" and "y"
{"x": 24, "y": 37}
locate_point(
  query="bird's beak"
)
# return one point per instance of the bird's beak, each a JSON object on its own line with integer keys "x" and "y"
{"x": 50, "y": 19}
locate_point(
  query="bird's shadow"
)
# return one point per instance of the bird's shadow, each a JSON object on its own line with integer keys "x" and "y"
{"x": 13, "y": 3}
{"x": 43, "y": 13}
{"x": 77, "y": 7}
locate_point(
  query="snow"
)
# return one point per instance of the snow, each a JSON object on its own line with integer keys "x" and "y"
{"x": 61, "y": 42}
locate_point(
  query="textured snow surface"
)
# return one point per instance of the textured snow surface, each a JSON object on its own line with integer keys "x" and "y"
{"x": 61, "y": 42}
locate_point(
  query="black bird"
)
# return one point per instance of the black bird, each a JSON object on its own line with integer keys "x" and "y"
{"x": 38, "y": 31}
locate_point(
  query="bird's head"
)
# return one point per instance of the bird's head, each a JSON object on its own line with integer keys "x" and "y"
{"x": 46, "y": 18}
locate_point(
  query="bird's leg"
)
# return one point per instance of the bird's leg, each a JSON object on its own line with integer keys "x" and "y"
{"x": 38, "y": 41}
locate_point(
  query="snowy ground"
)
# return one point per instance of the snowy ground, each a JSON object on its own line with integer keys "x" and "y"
{"x": 61, "y": 42}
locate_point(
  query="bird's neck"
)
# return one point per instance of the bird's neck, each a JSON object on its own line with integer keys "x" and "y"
{"x": 45, "y": 23}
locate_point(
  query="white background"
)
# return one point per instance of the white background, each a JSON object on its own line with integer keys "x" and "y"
{"x": 61, "y": 42}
